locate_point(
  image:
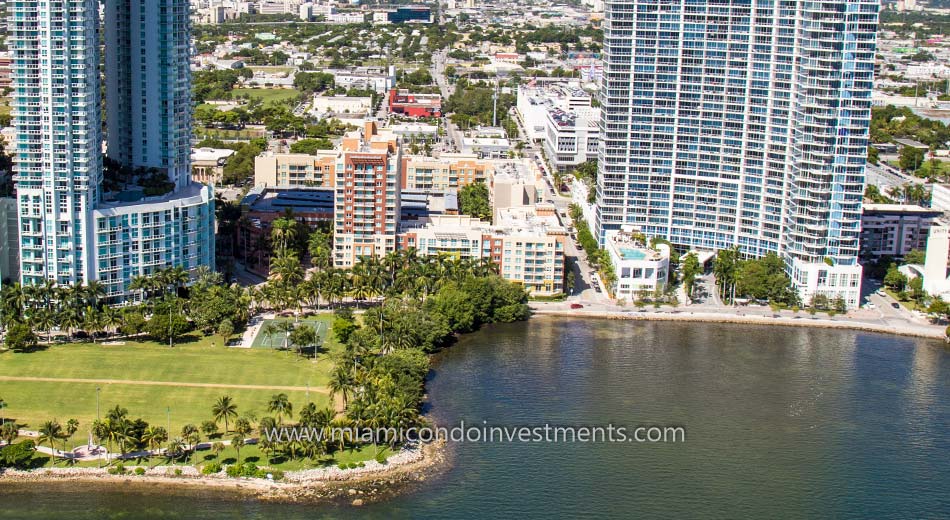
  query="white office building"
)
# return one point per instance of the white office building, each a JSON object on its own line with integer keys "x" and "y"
{"x": 741, "y": 123}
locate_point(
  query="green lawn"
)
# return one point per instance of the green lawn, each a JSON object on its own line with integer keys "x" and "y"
{"x": 249, "y": 453}
{"x": 271, "y": 69}
{"x": 909, "y": 304}
{"x": 266, "y": 95}
{"x": 236, "y": 135}
{"x": 195, "y": 362}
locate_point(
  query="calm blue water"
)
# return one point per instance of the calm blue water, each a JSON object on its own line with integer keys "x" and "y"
{"x": 781, "y": 423}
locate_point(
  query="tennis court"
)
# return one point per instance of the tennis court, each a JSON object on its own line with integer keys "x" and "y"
{"x": 321, "y": 324}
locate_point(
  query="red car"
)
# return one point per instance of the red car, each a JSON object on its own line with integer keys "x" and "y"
{"x": 576, "y": 306}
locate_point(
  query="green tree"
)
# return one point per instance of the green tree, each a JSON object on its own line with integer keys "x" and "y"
{"x": 894, "y": 279}
{"x": 311, "y": 146}
{"x": 474, "y": 201}
{"x": 225, "y": 331}
{"x": 917, "y": 256}
{"x": 917, "y": 293}
{"x": 20, "y": 338}
{"x": 690, "y": 269}
{"x": 911, "y": 158}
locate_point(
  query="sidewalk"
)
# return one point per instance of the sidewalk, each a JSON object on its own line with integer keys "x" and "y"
{"x": 750, "y": 315}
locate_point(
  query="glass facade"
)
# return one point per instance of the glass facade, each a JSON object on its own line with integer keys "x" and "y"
{"x": 740, "y": 122}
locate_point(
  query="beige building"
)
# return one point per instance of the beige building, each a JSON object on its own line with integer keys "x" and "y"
{"x": 526, "y": 243}
{"x": 207, "y": 165}
{"x": 296, "y": 169}
{"x": 515, "y": 184}
{"x": 450, "y": 171}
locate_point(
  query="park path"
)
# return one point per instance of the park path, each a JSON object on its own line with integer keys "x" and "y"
{"x": 316, "y": 389}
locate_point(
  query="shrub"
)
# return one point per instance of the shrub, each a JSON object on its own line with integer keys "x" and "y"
{"x": 140, "y": 471}
{"x": 117, "y": 470}
{"x": 17, "y": 455}
{"x": 381, "y": 458}
{"x": 246, "y": 470}
{"x": 342, "y": 465}
{"x": 211, "y": 469}
{"x": 177, "y": 472}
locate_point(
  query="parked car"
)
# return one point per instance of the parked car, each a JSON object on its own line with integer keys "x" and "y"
{"x": 576, "y": 306}
{"x": 896, "y": 305}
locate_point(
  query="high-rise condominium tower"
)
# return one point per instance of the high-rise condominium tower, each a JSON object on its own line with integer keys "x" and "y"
{"x": 58, "y": 165}
{"x": 148, "y": 85}
{"x": 741, "y": 122}
{"x": 70, "y": 229}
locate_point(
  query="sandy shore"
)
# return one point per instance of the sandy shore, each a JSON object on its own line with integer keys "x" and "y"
{"x": 356, "y": 486}
{"x": 804, "y": 320}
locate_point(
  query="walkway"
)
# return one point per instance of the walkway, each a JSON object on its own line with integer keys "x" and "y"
{"x": 318, "y": 390}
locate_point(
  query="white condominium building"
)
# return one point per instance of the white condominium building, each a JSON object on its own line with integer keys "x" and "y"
{"x": 56, "y": 115}
{"x": 70, "y": 231}
{"x": 148, "y": 85}
{"x": 740, "y": 122}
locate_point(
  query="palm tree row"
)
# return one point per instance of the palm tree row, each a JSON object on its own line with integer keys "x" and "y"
{"x": 397, "y": 274}
{"x": 49, "y": 307}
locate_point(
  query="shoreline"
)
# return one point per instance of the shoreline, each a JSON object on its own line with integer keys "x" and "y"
{"x": 919, "y": 331}
{"x": 407, "y": 468}
{"x": 355, "y": 487}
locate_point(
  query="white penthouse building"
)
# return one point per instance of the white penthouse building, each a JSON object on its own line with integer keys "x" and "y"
{"x": 734, "y": 122}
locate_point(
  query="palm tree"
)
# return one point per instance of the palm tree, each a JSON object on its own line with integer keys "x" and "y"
{"x": 70, "y": 320}
{"x": 268, "y": 330}
{"x": 72, "y": 426}
{"x": 243, "y": 426}
{"x": 238, "y": 442}
{"x": 280, "y": 405}
{"x": 225, "y": 409}
{"x": 283, "y": 231}
{"x": 192, "y": 436}
{"x": 287, "y": 328}
{"x": 217, "y": 448}
{"x": 141, "y": 285}
{"x": 341, "y": 382}
{"x": 175, "y": 448}
{"x": 9, "y": 432}
{"x": 44, "y": 320}
{"x": 111, "y": 319}
{"x": 50, "y": 432}
{"x": 93, "y": 321}
{"x": 94, "y": 292}
{"x": 154, "y": 436}
{"x": 209, "y": 428}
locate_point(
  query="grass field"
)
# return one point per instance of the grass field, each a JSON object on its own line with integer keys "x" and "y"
{"x": 266, "y": 95}
{"x": 249, "y": 453}
{"x": 271, "y": 69}
{"x": 131, "y": 375}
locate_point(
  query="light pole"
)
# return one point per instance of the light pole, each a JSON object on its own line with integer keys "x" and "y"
{"x": 98, "y": 448}
{"x": 168, "y": 419}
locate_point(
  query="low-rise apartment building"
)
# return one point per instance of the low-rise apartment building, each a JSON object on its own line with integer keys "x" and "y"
{"x": 296, "y": 169}
{"x": 640, "y": 270}
{"x": 450, "y": 171}
{"x": 895, "y": 229}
